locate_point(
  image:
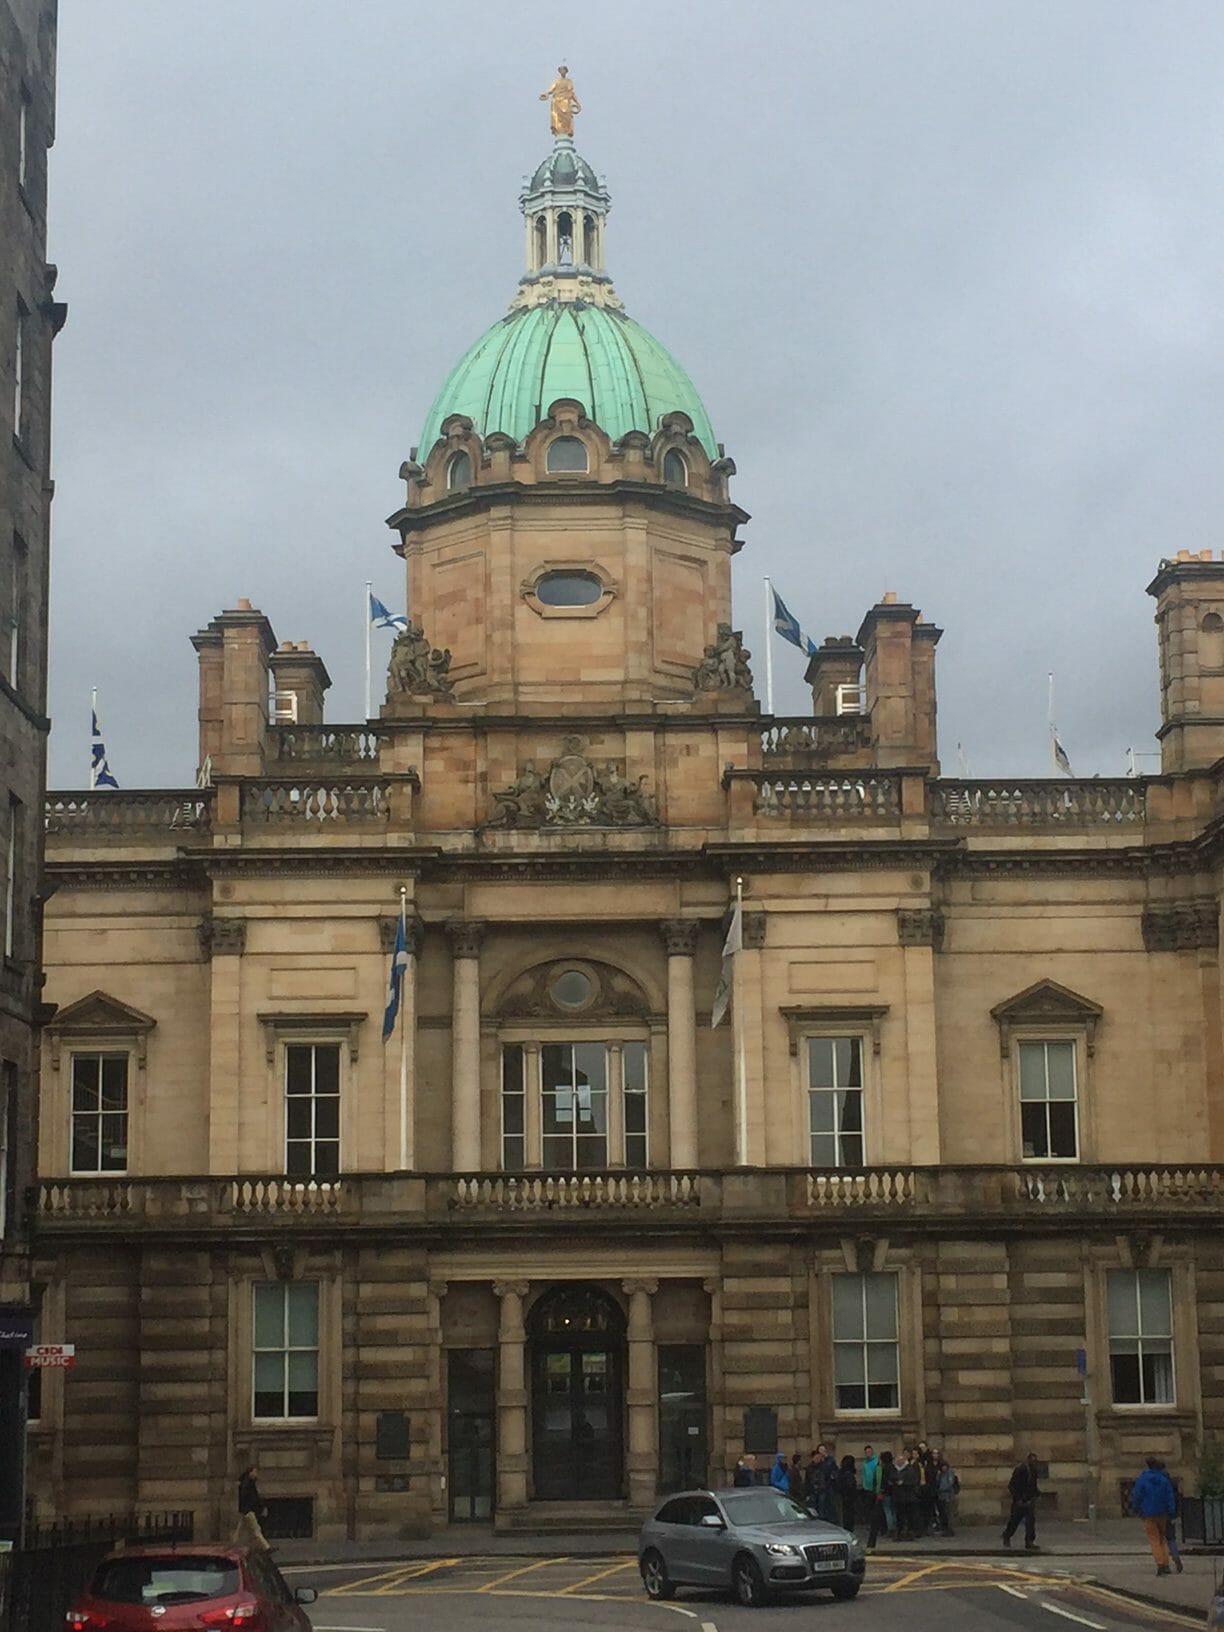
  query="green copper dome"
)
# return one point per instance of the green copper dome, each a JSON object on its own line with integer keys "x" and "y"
{"x": 621, "y": 375}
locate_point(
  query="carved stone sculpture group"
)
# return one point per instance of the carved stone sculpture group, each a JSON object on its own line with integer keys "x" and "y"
{"x": 573, "y": 793}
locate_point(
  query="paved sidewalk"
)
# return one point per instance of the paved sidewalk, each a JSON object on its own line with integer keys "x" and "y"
{"x": 1111, "y": 1552}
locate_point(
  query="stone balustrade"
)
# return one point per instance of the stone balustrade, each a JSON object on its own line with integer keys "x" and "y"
{"x": 355, "y": 746}
{"x": 110, "y": 813}
{"x": 1116, "y": 802}
{"x": 316, "y": 803}
{"x": 1017, "y": 1195}
{"x": 867, "y": 796}
{"x": 800, "y": 738}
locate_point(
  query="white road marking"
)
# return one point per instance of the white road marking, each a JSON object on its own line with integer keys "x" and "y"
{"x": 708, "y": 1626}
{"x": 1069, "y": 1615}
{"x": 1015, "y": 1591}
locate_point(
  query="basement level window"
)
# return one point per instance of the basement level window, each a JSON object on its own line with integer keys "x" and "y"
{"x": 568, "y": 589}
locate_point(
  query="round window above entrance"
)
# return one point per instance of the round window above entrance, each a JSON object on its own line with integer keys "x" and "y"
{"x": 568, "y": 589}
{"x": 572, "y": 989}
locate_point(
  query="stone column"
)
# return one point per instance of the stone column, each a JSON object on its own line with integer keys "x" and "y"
{"x": 680, "y": 939}
{"x": 747, "y": 1002}
{"x": 465, "y": 938}
{"x": 641, "y": 1397}
{"x": 512, "y": 1460}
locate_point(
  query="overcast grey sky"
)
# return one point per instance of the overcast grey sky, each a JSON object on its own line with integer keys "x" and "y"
{"x": 946, "y": 272}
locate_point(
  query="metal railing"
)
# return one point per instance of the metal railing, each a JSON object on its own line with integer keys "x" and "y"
{"x": 55, "y": 1561}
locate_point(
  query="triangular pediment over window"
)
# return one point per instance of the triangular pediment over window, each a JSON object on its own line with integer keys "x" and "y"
{"x": 1046, "y": 1003}
{"x": 101, "y": 1018}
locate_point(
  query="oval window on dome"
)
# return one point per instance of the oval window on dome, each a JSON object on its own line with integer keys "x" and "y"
{"x": 675, "y": 469}
{"x": 567, "y": 453}
{"x": 568, "y": 589}
{"x": 459, "y": 471}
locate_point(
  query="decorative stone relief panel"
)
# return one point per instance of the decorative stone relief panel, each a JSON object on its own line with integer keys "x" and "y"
{"x": 573, "y": 792}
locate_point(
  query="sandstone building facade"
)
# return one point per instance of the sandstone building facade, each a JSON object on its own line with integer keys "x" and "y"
{"x": 29, "y": 319}
{"x": 952, "y": 1166}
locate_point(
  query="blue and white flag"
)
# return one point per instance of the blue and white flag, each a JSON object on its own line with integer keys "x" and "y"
{"x": 100, "y": 773}
{"x": 399, "y": 962}
{"x": 1061, "y": 759}
{"x": 381, "y": 618}
{"x": 787, "y": 625}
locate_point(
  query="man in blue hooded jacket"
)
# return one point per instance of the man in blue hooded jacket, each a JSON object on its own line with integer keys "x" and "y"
{"x": 1154, "y": 1501}
{"x": 779, "y": 1474}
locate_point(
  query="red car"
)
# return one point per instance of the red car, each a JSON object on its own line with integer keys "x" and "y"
{"x": 186, "y": 1589}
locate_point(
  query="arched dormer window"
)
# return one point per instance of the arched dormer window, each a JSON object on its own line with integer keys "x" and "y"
{"x": 541, "y": 240}
{"x": 566, "y": 454}
{"x": 1211, "y": 641}
{"x": 459, "y": 471}
{"x": 675, "y": 469}
{"x": 588, "y": 239}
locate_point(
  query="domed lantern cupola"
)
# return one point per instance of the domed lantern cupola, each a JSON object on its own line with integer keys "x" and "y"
{"x": 565, "y": 205}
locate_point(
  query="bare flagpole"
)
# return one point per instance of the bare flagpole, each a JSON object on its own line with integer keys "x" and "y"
{"x": 1050, "y": 719}
{"x": 369, "y": 591}
{"x": 93, "y": 715}
{"x": 405, "y": 1152}
{"x": 768, "y": 647}
{"x": 741, "y": 1073}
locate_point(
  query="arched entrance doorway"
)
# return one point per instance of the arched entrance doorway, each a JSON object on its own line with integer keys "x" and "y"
{"x": 577, "y": 1336}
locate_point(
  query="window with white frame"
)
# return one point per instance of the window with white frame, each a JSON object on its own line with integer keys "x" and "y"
{"x": 312, "y": 1110}
{"x": 835, "y": 1101}
{"x": 575, "y": 1106}
{"x": 99, "y": 1113}
{"x": 1049, "y": 1114}
{"x": 866, "y": 1357}
{"x": 1141, "y": 1336}
{"x": 285, "y": 1350}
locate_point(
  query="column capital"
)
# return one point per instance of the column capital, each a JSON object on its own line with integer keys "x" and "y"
{"x": 631, "y": 1287}
{"x": 511, "y": 1289}
{"x": 465, "y": 936}
{"x": 388, "y": 929}
{"x": 679, "y": 936}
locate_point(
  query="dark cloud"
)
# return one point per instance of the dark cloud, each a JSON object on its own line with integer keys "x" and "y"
{"x": 945, "y": 273}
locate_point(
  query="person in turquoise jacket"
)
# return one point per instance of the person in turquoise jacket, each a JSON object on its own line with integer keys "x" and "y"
{"x": 779, "y": 1474}
{"x": 1154, "y": 1501}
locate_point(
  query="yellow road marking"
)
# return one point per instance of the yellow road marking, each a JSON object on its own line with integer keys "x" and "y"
{"x": 389, "y": 1581}
{"x": 913, "y": 1575}
{"x": 600, "y": 1575}
{"x": 1119, "y": 1600}
{"x": 540, "y": 1564}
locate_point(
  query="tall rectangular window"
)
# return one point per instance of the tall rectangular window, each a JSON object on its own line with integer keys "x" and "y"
{"x": 637, "y": 1140}
{"x": 514, "y": 1109}
{"x": 835, "y": 1101}
{"x": 1141, "y": 1336}
{"x": 1049, "y": 1123}
{"x": 866, "y": 1361}
{"x": 99, "y": 1113}
{"x": 312, "y": 1110}
{"x": 574, "y": 1105}
{"x": 16, "y": 610}
{"x": 23, "y": 137}
{"x": 12, "y": 864}
{"x": 285, "y": 1351}
{"x": 19, "y": 371}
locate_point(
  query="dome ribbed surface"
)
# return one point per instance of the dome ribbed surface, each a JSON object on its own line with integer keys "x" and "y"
{"x": 621, "y": 375}
{"x": 564, "y": 168}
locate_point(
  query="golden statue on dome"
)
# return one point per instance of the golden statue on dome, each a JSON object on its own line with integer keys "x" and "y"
{"x": 564, "y": 104}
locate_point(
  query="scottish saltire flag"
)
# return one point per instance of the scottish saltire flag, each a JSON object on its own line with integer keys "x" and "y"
{"x": 787, "y": 625}
{"x": 399, "y": 962}
{"x": 381, "y": 618}
{"x": 1060, "y": 754}
{"x": 734, "y": 943}
{"x": 100, "y": 773}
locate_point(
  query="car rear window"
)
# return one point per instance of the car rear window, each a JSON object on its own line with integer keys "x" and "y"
{"x": 164, "y": 1580}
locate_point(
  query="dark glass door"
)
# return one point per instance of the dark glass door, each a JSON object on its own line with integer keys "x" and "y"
{"x": 471, "y": 1432}
{"x": 683, "y": 1431}
{"x": 577, "y": 1411}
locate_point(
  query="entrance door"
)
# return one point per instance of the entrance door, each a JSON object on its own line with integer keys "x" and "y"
{"x": 470, "y": 1432}
{"x": 683, "y": 1440}
{"x": 578, "y": 1396}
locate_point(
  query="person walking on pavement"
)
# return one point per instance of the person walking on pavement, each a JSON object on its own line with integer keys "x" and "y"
{"x": 779, "y": 1474}
{"x": 1153, "y": 1500}
{"x": 880, "y": 1490}
{"x": 847, "y": 1491}
{"x": 947, "y": 1488}
{"x": 1175, "y": 1557}
{"x": 251, "y": 1508}
{"x": 1022, "y": 1488}
{"x": 745, "y": 1472}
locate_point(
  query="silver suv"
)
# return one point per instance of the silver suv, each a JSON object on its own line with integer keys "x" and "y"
{"x": 755, "y": 1541}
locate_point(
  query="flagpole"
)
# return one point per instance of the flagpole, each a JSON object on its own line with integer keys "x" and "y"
{"x": 1050, "y": 717}
{"x": 403, "y": 1025}
{"x": 93, "y": 716}
{"x": 741, "y": 1075}
{"x": 768, "y": 647}
{"x": 369, "y": 590}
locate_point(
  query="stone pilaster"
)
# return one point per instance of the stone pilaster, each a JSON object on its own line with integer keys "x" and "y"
{"x": 642, "y": 1450}
{"x": 512, "y": 1461}
{"x": 680, "y": 940}
{"x": 465, "y": 937}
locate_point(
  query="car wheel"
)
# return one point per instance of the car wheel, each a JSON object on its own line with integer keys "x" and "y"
{"x": 747, "y": 1582}
{"x": 845, "y": 1589}
{"x": 655, "y": 1578}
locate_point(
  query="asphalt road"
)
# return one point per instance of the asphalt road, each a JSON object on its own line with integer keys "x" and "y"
{"x": 478, "y": 1594}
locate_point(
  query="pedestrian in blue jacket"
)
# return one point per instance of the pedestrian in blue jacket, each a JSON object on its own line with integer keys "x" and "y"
{"x": 1153, "y": 1500}
{"x": 779, "y": 1474}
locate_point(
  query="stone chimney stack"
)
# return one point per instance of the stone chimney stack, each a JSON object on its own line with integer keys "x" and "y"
{"x": 298, "y": 671}
{"x": 838, "y": 662}
{"x": 1189, "y": 592}
{"x": 899, "y": 682}
{"x": 234, "y": 653}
